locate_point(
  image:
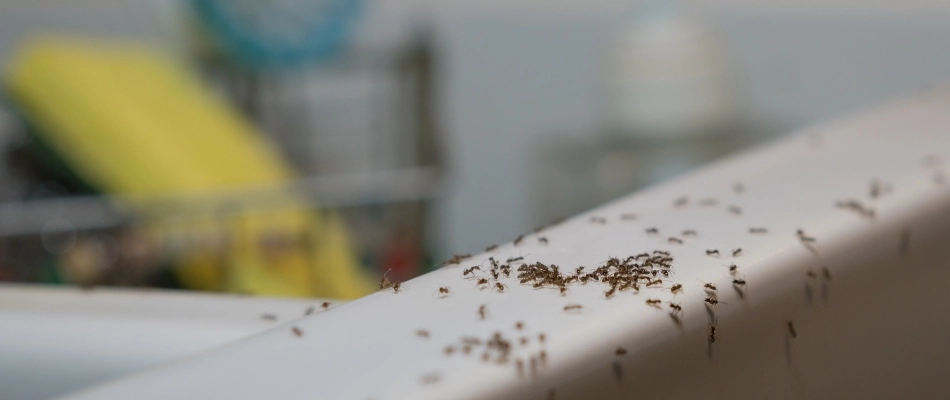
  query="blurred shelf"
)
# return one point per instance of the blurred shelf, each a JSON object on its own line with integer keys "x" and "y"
{"x": 324, "y": 192}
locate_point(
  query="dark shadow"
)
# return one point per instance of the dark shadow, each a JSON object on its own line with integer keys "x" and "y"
{"x": 739, "y": 291}
{"x": 788, "y": 351}
{"x": 903, "y": 249}
{"x": 618, "y": 371}
{"x": 677, "y": 321}
{"x": 809, "y": 296}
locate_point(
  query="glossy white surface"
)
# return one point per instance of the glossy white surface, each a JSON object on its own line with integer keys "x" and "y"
{"x": 873, "y": 330}
{"x": 56, "y": 340}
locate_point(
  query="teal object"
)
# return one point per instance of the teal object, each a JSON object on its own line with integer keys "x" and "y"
{"x": 262, "y": 34}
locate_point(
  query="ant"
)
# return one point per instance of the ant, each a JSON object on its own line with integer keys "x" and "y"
{"x": 711, "y": 301}
{"x": 456, "y": 259}
{"x": 269, "y": 317}
{"x": 385, "y": 283}
{"x": 422, "y": 333}
{"x": 791, "y": 330}
{"x": 297, "y": 331}
{"x": 500, "y": 286}
{"x": 930, "y": 161}
{"x": 309, "y": 310}
{"x": 620, "y": 351}
{"x": 675, "y": 240}
{"x": 689, "y": 232}
{"x": 467, "y": 349}
{"x": 429, "y": 379}
{"x": 523, "y": 341}
{"x": 826, "y": 273}
{"x": 735, "y": 210}
{"x": 492, "y": 247}
{"x": 543, "y": 240}
{"x": 738, "y": 282}
{"x": 654, "y": 302}
{"x": 628, "y": 216}
{"x": 878, "y": 188}
{"x": 736, "y": 252}
{"x": 571, "y": 307}
{"x": 482, "y": 311}
{"x": 811, "y": 274}
{"x": 677, "y": 309}
{"x": 712, "y": 253}
{"x": 676, "y": 287}
{"x": 712, "y": 333}
{"x": 449, "y": 350}
{"x": 598, "y": 220}
{"x": 610, "y": 292}
{"x": 758, "y": 230}
{"x": 733, "y": 269}
{"x": 471, "y": 270}
{"x": 325, "y": 305}
{"x": 444, "y": 291}
{"x": 519, "y": 325}
{"x": 470, "y": 340}
{"x": 518, "y": 239}
{"x": 513, "y": 259}
{"x": 804, "y": 238}
{"x": 709, "y": 287}
{"x": 481, "y": 281}
{"x": 856, "y": 206}
{"x": 652, "y": 231}
{"x": 541, "y": 338}
{"x": 494, "y": 264}
{"x": 681, "y": 201}
{"x": 563, "y": 290}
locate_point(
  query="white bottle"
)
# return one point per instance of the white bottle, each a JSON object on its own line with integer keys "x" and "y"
{"x": 667, "y": 77}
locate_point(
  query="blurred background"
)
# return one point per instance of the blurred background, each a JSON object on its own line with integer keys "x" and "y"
{"x": 304, "y": 148}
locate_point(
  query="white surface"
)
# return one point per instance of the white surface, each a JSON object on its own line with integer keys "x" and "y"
{"x": 874, "y": 330}
{"x": 56, "y": 340}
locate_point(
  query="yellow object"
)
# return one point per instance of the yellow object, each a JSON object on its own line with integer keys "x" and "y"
{"x": 132, "y": 123}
